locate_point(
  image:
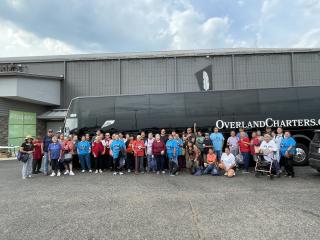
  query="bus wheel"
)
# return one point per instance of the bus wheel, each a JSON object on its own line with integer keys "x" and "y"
{"x": 301, "y": 157}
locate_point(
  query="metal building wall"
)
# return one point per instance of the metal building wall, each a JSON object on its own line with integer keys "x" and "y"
{"x": 147, "y": 76}
{"x": 10, "y": 104}
{"x": 50, "y": 68}
{"x": 306, "y": 69}
{"x": 262, "y": 71}
{"x": 86, "y": 78}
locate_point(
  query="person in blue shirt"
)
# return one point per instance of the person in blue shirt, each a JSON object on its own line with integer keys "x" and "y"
{"x": 118, "y": 148}
{"x": 217, "y": 140}
{"x": 179, "y": 151}
{"x": 287, "y": 152}
{"x": 83, "y": 150}
{"x": 54, "y": 155}
{"x": 172, "y": 153}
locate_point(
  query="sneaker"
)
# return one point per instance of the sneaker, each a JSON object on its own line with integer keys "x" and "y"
{"x": 59, "y": 174}
{"x": 120, "y": 173}
{"x": 142, "y": 172}
{"x": 29, "y": 176}
{"x": 172, "y": 175}
{"x": 72, "y": 173}
{"x": 24, "y": 178}
{"x": 129, "y": 171}
{"x": 163, "y": 172}
{"x": 226, "y": 174}
{"x": 100, "y": 171}
{"x": 96, "y": 171}
{"x": 158, "y": 172}
{"x": 245, "y": 172}
{"x": 52, "y": 174}
{"x": 90, "y": 171}
{"x": 66, "y": 172}
{"x": 83, "y": 171}
{"x": 115, "y": 173}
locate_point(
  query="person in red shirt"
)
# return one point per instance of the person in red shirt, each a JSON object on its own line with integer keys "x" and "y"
{"x": 158, "y": 150}
{"x": 130, "y": 153}
{"x": 97, "y": 152}
{"x": 254, "y": 145}
{"x": 68, "y": 151}
{"x": 37, "y": 155}
{"x": 139, "y": 148}
{"x": 244, "y": 146}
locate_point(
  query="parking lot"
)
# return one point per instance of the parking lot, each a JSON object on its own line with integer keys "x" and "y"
{"x": 102, "y": 206}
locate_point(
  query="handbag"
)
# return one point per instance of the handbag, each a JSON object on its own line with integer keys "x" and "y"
{"x": 67, "y": 156}
{"x": 23, "y": 157}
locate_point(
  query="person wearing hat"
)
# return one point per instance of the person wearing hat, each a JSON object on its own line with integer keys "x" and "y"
{"x": 27, "y": 148}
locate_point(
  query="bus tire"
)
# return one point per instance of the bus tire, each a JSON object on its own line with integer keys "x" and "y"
{"x": 301, "y": 157}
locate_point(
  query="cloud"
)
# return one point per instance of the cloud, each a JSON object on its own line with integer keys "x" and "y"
{"x": 18, "y": 42}
{"x": 189, "y": 29}
{"x": 311, "y": 39}
{"x": 37, "y": 27}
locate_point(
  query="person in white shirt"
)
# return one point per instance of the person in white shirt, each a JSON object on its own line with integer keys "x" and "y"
{"x": 232, "y": 143}
{"x": 228, "y": 163}
{"x": 269, "y": 150}
{"x": 277, "y": 139}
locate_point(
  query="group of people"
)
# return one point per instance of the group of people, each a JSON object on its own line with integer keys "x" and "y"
{"x": 199, "y": 153}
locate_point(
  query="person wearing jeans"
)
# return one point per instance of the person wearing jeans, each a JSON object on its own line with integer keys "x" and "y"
{"x": 158, "y": 150}
{"x": 118, "y": 148}
{"x": 172, "y": 150}
{"x": 83, "y": 150}
{"x": 244, "y": 145}
{"x": 211, "y": 163}
{"x": 287, "y": 151}
{"x": 149, "y": 153}
{"x": 46, "y": 141}
{"x": 27, "y": 148}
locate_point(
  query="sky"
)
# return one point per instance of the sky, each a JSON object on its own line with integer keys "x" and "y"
{"x": 46, "y": 27}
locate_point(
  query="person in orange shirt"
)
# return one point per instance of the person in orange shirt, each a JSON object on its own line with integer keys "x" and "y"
{"x": 212, "y": 163}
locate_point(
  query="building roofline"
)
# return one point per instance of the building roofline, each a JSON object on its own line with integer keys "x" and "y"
{"x": 28, "y": 75}
{"x": 157, "y": 54}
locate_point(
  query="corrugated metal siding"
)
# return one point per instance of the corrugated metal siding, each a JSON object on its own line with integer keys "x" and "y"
{"x": 51, "y": 69}
{"x": 262, "y": 71}
{"x": 147, "y": 76}
{"x": 186, "y": 69}
{"x": 307, "y": 69}
{"x": 87, "y": 78}
{"x": 222, "y": 73}
{"x": 9, "y": 104}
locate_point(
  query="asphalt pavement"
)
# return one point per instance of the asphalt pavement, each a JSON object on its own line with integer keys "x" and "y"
{"x": 150, "y": 206}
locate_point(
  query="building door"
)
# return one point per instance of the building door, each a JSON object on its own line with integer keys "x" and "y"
{"x": 21, "y": 124}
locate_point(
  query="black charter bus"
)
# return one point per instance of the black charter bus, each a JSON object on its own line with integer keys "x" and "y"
{"x": 293, "y": 108}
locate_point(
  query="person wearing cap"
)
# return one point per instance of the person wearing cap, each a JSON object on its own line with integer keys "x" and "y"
{"x": 46, "y": 142}
{"x": 27, "y": 148}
